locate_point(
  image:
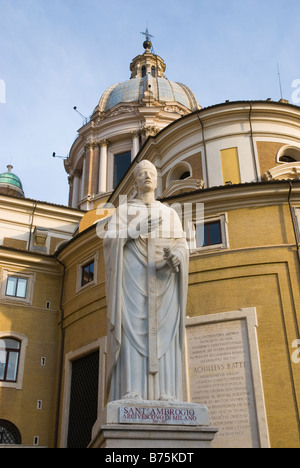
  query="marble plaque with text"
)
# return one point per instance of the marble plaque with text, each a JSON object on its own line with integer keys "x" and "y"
{"x": 158, "y": 415}
{"x": 220, "y": 377}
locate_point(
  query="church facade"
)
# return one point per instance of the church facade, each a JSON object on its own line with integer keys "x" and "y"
{"x": 231, "y": 171}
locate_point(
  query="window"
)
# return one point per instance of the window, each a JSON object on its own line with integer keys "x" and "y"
{"x": 9, "y": 359}
{"x": 122, "y": 162}
{"x": 182, "y": 171}
{"x": 87, "y": 273}
{"x": 153, "y": 71}
{"x": 16, "y": 287}
{"x": 287, "y": 159}
{"x": 83, "y": 400}
{"x": 9, "y": 433}
{"x": 288, "y": 154}
{"x": 230, "y": 166}
{"x": 12, "y": 359}
{"x": 185, "y": 175}
{"x": 212, "y": 233}
{"x": 143, "y": 71}
{"x": 208, "y": 234}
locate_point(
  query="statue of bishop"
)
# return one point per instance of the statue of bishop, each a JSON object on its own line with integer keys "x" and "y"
{"x": 146, "y": 259}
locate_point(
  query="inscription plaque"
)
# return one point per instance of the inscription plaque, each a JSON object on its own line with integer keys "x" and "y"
{"x": 152, "y": 415}
{"x": 220, "y": 376}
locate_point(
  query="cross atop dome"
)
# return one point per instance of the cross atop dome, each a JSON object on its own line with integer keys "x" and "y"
{"x": 147, "y": 43}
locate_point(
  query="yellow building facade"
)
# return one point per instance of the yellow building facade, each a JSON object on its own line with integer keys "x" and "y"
{"x": 258, "y": 268}
{"x": 30, "y": 302}
{"x": 30, "y": 401}
{"x": 231, "y": 172}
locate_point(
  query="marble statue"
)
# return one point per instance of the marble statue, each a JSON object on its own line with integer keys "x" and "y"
{"x": 146, "y": 259}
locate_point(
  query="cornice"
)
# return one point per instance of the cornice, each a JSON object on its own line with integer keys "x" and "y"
{"x": 122, "y": 119}
{"x": 42, "y": 209}
{"x": 88, "y": 241}
{"x": 217, "y": 114}
{"x": 20, "y": 258}
{"x": 28, "y": 202}
{"x": 216, "y": 200}
{"x": 233, "y": 197}
{"x": 284, "y": 171}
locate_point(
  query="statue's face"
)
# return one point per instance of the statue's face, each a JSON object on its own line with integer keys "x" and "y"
{"x": 146, "y": 179}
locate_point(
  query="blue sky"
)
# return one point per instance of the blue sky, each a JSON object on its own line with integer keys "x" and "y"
{"x": 55, "y": 54}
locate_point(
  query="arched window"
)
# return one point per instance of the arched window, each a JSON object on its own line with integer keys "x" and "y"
{"x": 185, "y": 175}
{"x": 9, "y": 359}
{"x": 288, "y": 154}
{"x": 153, "y": 71}
{"x": 287, "y": 159}
{"x": 9, "y": 433}
{"x": 182, "y": 171}
{"x": 143, "y": 71}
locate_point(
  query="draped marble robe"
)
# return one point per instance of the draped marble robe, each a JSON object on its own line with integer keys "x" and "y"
{"x": 126, "y": 261}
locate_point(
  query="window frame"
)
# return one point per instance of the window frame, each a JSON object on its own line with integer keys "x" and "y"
{"x": 291, "y": 151}
{"x": 82, "y": 287}
{"x": 9, "y": 351}
{"x": 13, "y": 436}
{"x": 4, "y": 277}
{"x": 23, "y": 340}
{"x": 231, "y": 166}
{"x": 207, "y": 232}
{"x": 87, "y": 268}
{"x": 115, "y": 179}
{"x": 101, "y": 345}
{"x": 175, "y": 173}
{"x": 17, "y": 278}
{"x": 195, "y": 248}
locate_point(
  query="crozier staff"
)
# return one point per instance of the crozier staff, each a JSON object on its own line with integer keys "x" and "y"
{"x": 146, "y": 260}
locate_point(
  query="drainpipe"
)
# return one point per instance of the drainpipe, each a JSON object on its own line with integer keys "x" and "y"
{"x": 61, "y": 357}
{"x": 31, "y": 225}
{"x": 204, "y": 145}
{"x": 252, "y": 142}
{"x": 294, "y": 220}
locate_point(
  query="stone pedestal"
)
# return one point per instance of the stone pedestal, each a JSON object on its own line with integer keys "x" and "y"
{"x": 153, "y": 424}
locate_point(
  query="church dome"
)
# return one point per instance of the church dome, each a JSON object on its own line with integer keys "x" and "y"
{"x": 127, "y": 114}
{"x": 148, "y": 82}
{"x": 133, "y": 91}
{"x": 10, "y": 184}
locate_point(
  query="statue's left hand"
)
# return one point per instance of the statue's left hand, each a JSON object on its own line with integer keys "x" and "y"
{"x": 172, "y": 259}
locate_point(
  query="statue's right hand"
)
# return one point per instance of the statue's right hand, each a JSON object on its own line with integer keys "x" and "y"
{"x": 148, "y": 225}
{"x": 143, "y": 227}
{"x": 154, "y": 223}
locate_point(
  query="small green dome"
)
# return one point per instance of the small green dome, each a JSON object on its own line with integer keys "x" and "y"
{"x": 10, "y": 183}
